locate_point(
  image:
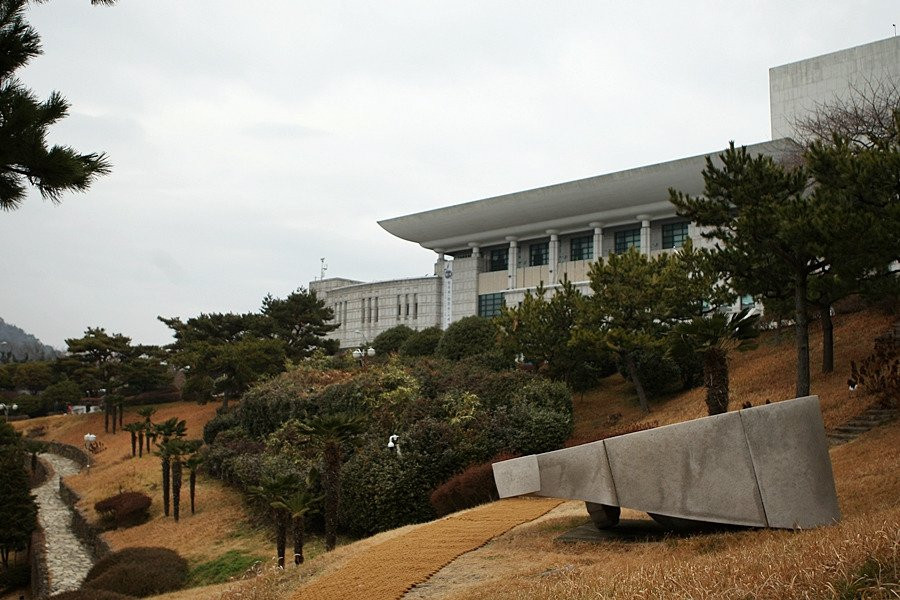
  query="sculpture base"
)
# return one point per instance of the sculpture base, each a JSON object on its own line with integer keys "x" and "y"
{"x": 633, "y": 531}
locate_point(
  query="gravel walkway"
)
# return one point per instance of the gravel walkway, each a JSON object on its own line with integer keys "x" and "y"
{"x": 68, "y": 561}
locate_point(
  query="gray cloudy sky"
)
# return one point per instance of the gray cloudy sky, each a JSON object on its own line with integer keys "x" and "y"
{"x": 251, "y": 139}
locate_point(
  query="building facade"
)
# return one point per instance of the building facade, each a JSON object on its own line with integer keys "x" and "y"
{"x": 490, "y": 252}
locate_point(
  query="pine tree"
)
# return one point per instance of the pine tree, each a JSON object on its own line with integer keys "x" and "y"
{"x": 18, "y": 511}
{"x": 25, "y": 157}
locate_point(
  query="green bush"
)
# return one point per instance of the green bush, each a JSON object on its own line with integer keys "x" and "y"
{"x": 390, "y": 340}
{"x": 535, "y": 429}
{"x": 382, "y": 491}
{"x": 138, "y": 572}
{"x": 219, "y": 570}
{"x": 658, "y": 373}
{"x": 18, "y": 576}
{"x": 218, "y": 424}
{"x": 469, "y": 336}
{"x": 198, "y": 388}
{"x": 60, "y": 394}
{"x": 422, "y": 343}
{"x": 547, "y": 394}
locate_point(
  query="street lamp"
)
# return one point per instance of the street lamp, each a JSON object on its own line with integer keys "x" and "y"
{"x": 6, "y": 408}
{"x": 360, "y": 354}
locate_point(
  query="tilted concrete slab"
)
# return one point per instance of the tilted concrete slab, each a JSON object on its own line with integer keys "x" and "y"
{"x": 517, "y": 477}
{"x": 795, "y": 477}
{"x": 699, "y": 469}
{"x": 763, "y": 466}
{"x": 578, "y": 472}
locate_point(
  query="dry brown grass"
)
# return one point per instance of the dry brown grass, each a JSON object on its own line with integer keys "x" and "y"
{"x": 776, "y": 564}
{"x": 766, "y": 373}
{"x": 220, "y": 523}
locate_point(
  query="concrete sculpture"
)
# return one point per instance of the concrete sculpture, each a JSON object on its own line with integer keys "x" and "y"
{"x": 766, "y": 466}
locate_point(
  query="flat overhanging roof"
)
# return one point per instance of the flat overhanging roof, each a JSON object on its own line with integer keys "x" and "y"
{"x": 612, "y": 199}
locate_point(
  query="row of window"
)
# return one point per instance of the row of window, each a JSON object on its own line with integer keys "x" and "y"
{"x": 369, "y": 312}
{"x": 582, "y": 248}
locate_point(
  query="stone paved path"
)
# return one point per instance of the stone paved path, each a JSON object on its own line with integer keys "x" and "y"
{"x": 387, "y": 571}
{"x": 68, "y": 560}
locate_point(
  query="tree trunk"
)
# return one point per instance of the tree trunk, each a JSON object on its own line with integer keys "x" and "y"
{"x": 106, "y": 417}
{"x": 140, "y": 444}
{"x": 176, "y": 488}
{"x": 113, "y": 409}
{"x": 280, "y": 536}
{"x": 133, "y": 443}
{"x": 297, "y": 534}
{"x": 332, "y": 492}
{"x": 121, "y": 414}
{"x": 715, "y": 374}
{"x": 193, "y": 483}
{"x": 165, "y": 484}
{"x": 635, "y": 380}
{"x": 801, "y": 330}
{"x": 827, "y": 340}
{"x": 224, "y": 402}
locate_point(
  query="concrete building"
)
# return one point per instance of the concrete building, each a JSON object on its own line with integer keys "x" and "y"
{"x": 491, "y": 251}
{"x": 797, "y": 88}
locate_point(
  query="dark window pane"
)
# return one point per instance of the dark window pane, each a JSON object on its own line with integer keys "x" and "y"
{"x": 674, "y": 235}
{"x": 628, "y": 239}
{"x": 539, "y": 254}
{"x": 499, "y": 259}
{"x": 489, "y": 304}
{"x": 582, "y": 248}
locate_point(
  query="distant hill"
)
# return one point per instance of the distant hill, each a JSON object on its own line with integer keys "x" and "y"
{"x": 16, "y": 345}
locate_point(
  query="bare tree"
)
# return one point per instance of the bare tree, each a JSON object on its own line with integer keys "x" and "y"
{"x": 865, "y": 115}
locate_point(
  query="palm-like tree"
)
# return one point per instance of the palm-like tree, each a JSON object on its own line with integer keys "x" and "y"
{"x": 134, "y": 429}
{"x": 167, "y": 430}
{"x": 713, "y": 338}
{"x": 297, "y": 506}
{"x": 147, "y": 412}
{"x": 193, "y": 463}
{"x": 332, "y": 432}
{"x": 178, "y": 449}
{"x": 273, "y": 492}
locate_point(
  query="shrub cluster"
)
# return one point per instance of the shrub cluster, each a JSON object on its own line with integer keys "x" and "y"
{"x": 390, "y": 340}
{"x": 470, "y": 488}
{"x": 448, "y": 415}
{"x": 138, "y": 572}
{"x": 124, "y": 509}
{"x": 422, "y": 343}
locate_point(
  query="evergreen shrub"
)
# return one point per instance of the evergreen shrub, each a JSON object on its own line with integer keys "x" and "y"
{"x": 138, "y": 572}
{"x": 472, "y": 487}
{"x": 124, "y": 509}
{"x": 390, "y": 340}
{"x": 469, "y": 336}
{"x": 422, "y": 343}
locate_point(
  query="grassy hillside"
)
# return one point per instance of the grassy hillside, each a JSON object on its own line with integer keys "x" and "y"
{"x": 220, "y": 524}
{"x": 839, "y": 561}
{"x": 527, "y": 562}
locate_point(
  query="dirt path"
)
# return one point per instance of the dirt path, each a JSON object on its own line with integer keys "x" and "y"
{"x": 68, "y": 561}
{"x": 388, "y": 570}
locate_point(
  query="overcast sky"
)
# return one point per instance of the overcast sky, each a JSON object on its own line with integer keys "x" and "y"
{"x": 250, "y": 139}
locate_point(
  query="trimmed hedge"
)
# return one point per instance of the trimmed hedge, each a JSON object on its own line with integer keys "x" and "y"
{"x": 390, "y": 340}
{"x": 422, "y": 343}
{"x": 469, "y": 336}
{"x": 124, "y": 509}
{"x": 138, "y": 572}
{"x": 470, "y": 488}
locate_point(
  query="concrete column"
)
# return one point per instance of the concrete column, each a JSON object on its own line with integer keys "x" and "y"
{"x": 476, "y": 258}
{"x": 598, "y": 239}
{"x": 553, "y": 257}
{"x": 512, "y": 262}
{"x": 645, "y": 234}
